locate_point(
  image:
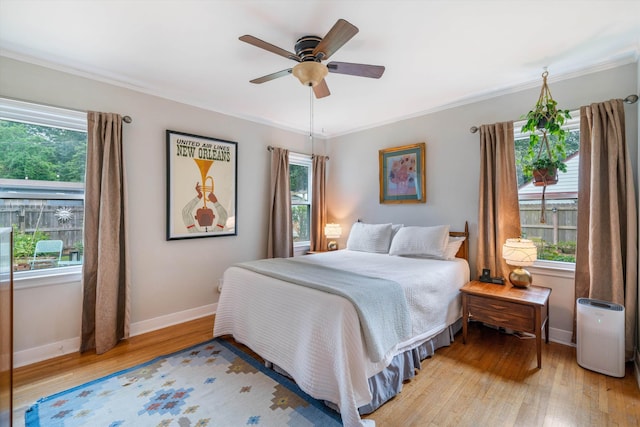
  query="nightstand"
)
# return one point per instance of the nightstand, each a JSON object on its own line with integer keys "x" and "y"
{"x": 521, "y": 309}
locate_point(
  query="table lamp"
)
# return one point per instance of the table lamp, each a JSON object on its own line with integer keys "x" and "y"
{"x": 519, "y": 253}
{"x": 332, "y": 231}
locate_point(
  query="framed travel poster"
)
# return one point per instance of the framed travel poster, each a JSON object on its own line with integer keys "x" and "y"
{"x": 202, "y": 176}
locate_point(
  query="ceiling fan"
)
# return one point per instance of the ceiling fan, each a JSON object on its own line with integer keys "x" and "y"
{"x": 310, "y": 52}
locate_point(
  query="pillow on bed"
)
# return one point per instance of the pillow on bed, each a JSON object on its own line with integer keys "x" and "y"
{"x": 394, "y": 229}
{"x": 369, "y": 237}
{"x": 452, "y": 247}
{"x": 421, "y": 241}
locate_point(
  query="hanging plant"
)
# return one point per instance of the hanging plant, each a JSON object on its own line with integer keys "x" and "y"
{"x": 543, "y": 122}
{"x": 545, "y": 157}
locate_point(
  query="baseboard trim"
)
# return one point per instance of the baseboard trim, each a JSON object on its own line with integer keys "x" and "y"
{"x": 44, "y": 352}
{"x": 561, "y": 336}
{"x": 71, "y": 345}
{"x": 156, "y": 323}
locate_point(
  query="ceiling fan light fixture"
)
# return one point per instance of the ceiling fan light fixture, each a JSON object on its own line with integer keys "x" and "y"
{"x": 310, "y": 73}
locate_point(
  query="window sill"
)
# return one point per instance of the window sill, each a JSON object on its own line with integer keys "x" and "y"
{"x": 300, "y": 249}
{"x": 565, "y": 270}
{"x": 47, "y": 277}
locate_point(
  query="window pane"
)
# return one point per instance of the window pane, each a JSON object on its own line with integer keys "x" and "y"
{"x": 41, "y": 153}
{"x": 556, "y": 238}
{"x": 299, "y": 183}
{"x": 301, "y": 218}
{"x": 37, "y": 220}
{"x": 42, "y": 172}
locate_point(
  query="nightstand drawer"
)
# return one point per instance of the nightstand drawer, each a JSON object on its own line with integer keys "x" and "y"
{"x": 502, "y": 313}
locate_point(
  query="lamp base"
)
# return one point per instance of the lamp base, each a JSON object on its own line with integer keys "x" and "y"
{"x": 520, "y": 278}
{"x": 332, "y": 245}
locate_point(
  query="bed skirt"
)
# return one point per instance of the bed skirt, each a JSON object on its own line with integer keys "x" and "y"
{"x": 388, "y": 383}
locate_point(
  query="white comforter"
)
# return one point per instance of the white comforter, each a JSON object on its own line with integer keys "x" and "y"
{"x": 316, "y": 337}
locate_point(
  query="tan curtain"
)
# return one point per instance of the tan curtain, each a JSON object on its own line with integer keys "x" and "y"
{"x": 318, "y": 204}
{"x": 607, "y": 248}
{"x": 499, "y": 213}
{"x": 280, "y": 236}
{"x": 105, "y": 275}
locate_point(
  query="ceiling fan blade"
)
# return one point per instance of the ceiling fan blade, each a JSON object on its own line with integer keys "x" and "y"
{"x": 271, "y": 76}
{"x": 341, "y": 32}
{"x": 362, "y": 70}
{"x": 268, "y": 46}
{"x": 321, "y": 89}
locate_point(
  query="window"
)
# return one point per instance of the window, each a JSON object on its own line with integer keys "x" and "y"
{"x": 42, "y": 170}
{"x": 300, "y": 187}
{"x": 556, "y": 237}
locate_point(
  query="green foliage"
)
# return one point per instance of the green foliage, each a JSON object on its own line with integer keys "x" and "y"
{"x": 562, "y": 251}
{"x": 300, "y": 218}
{"x": 298, "y": 178}
{"x": 546, "y": 163}
{"x": 547, "y": 138}
{"x": 552, "y": 254}
{"x": 25, "y": 244}
{"x": 572, "y": 146}
{"x": 41, "y": 152}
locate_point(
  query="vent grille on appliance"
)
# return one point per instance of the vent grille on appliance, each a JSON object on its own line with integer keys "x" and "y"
{"x": 600, "y": 304}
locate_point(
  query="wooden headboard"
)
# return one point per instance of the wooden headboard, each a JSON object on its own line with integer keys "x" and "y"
{"x": 463, "y": 252}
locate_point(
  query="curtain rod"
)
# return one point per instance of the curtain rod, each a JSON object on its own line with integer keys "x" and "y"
{"x": 270, "y": 148}
{"x": 126, "y": 119}
{"x": 631, "y": 99}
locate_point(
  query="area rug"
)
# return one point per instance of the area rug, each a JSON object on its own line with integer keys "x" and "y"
{"x": 210, "y": 384}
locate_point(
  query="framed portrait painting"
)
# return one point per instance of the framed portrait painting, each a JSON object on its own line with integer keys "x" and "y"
{"x": 402, "y": 174}
{"x": 202, "y": 175}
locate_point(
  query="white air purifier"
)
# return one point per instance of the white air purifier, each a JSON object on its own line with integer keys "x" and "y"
{"x": 600, "y": 336}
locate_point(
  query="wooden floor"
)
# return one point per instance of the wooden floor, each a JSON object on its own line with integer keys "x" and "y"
{"x": 490, "y": 381}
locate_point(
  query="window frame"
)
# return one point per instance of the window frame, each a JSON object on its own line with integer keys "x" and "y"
{"x": 307, "y": 161}
{"x": 44, "y": 115}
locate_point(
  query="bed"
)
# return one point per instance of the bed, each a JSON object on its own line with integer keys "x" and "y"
{"x": 319, "y": 336}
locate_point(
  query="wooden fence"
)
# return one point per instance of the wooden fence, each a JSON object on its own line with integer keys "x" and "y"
{"x": 30, "y": 216}
{"x": 560, "y": 226}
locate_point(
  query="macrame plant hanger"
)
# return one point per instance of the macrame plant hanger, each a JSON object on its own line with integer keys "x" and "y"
{"x": 545, "y": 95}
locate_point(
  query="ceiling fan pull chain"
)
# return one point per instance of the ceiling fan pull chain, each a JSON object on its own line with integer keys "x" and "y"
{"x": 311, "y": 118}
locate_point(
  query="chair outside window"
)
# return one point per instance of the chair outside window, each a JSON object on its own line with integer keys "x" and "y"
{"x": 47, "y": 254}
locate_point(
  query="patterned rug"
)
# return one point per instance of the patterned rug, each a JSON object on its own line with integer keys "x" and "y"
{"x": 210, "y": 384}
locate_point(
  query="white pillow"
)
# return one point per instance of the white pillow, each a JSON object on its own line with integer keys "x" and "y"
{"x": 421, "y": 241}
{"x": 369, "y": 237}
{"x": 452, "y": 247}
{"x": 394, "y": 229}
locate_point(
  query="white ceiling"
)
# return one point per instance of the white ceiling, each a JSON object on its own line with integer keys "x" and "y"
{"x": 436, "y": 53}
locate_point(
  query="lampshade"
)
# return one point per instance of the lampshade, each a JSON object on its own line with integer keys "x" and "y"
{"x": 519, "y": 253}
{"x": 310, "y": 73}
{"x": 332, "y": 231}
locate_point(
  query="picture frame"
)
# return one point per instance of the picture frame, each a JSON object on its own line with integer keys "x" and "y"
{"x": 202, "y": 176}
{"x": 402, "y": 174}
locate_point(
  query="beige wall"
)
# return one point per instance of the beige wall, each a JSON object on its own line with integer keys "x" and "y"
{"x": 168, "y": 277}
{"x": 453, "y": 166}
{"x": 173, "y": 279}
